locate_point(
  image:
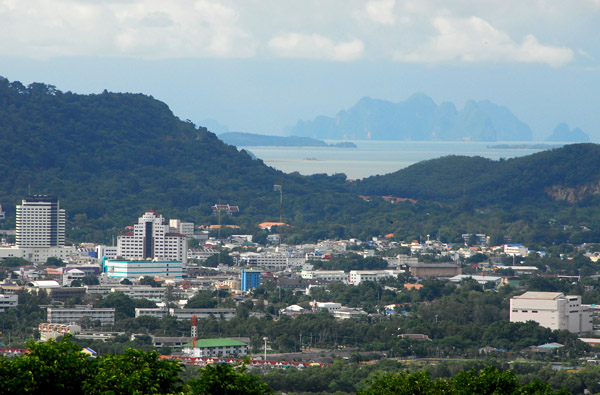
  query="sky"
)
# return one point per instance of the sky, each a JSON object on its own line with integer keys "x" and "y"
{"x": 259, "y": 66}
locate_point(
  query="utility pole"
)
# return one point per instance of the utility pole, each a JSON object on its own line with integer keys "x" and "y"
{"x": 279, "y": 187}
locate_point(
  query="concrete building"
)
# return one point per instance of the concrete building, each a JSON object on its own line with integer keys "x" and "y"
{"x": 272, "y": 260}
{"x": 52, "y": 331}
{"x": 71, "y": 275}
{"x": 152, "y": 238}
{"x": 552, "y": 310}
{"x": 74, "y": 315}
{"x": 40, "y": 231}
{"x": 358, "y": 276}
{"x": 8, "y": 302}
{"x": 329, "y": 306}
{"x": 186, "y": 314}
{"x": 515, "y": 250}
{"x": 217, "y": 348}
{"x": 141, "y": 268}
{"x": 40, "y": 222}
{"x": 108, "y": 252}
{"x": 325, "y": 275}
{"x": 185, "y": 228}
{"x": 250, "y": 279}
{"x": 142, "y": 292}
{"x": 434, "y": 270}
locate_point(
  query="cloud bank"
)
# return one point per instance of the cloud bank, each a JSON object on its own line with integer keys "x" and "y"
{"x": 423, "y": 31}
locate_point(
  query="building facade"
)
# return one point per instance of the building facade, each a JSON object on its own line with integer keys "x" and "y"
{"x": 143, "y": 268}
{"x": 40, "y": 222}
{"x": 552, "y": 310}
{"x": 217, "y": 348}
{"x": 74, "y": 315}
{"x": 250, "y": 279}
{"x": 152, "y": 238}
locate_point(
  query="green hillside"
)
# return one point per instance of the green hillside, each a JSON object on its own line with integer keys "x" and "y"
{"x": 111, "y": 156}
{"x": 506, "y": 182}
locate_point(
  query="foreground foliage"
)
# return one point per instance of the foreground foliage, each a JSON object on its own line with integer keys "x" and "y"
{"x": 61, "y": 367}
{"x": 488, "y": 381}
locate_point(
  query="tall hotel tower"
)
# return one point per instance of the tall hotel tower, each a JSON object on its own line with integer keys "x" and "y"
{"x": 40, "y": 222}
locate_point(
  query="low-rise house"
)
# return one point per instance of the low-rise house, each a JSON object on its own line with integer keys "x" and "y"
{"x": 293, "y": 310}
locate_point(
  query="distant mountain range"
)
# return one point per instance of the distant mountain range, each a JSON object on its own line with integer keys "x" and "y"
{"x": 562, "y": 133}
{"x": 419, "y": 119}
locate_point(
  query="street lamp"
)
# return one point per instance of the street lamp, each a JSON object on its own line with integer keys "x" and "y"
{"x": 265, "y": 339}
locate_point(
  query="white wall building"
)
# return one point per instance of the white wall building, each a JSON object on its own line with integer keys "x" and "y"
{"x": 272, "y": 260}
{"x": 552, "y": 310}
{"x": 108, "y": 252}
{"x": 73, "y": 315}
{"x": 515, "y": 250}
{"x": 325, "y": 275}
{"x": 38, "y": 254}
{"x": 186, "y": 314}
{"x": 142, "y": 268}
{"x": 152, "y": 238}
{"x": 71, "y": 275}
{"x": 8, "y": 302}
{"x": 40, "y": 231}
{"x": 358, "y": 276}
{"x": 40, "y": 222}
{"x": 329, "y": 306}
{"x": 185, "y": 228}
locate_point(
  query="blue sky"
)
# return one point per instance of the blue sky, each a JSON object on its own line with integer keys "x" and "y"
{"x": 261, "y": 65}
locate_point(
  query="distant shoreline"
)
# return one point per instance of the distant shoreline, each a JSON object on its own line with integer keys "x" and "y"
{"x": 525, "y": 146}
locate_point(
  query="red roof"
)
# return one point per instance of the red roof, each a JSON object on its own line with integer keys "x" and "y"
{"x": 126, "y": 234}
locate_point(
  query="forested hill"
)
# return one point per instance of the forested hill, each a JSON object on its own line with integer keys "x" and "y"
{"x": 110, "y": 156}
{"x": 570, "y": 173}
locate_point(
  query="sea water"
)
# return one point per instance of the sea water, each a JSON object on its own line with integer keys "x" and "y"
{"x": 378, "y": 157}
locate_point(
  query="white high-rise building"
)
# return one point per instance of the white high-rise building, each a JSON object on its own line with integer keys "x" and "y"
{"x": 152, "y": 238}
{"x": 40, "y": 222}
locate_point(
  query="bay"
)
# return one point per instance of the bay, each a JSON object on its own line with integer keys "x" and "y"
{"x": 377, "y": 157}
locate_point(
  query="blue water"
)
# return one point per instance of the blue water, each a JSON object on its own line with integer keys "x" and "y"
{"x": 375, "y": 157}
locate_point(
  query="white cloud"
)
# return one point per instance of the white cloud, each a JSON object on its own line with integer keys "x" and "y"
{"x": 152, "y": 29}
{"x": 315, "y": 46}
{"x": 475, "y": 40}
{"x": 381, "y": 11}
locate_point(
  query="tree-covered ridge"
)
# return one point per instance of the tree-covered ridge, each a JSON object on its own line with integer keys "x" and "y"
{"x": 510, "y": 181}
{"x": 111, "y": 156}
